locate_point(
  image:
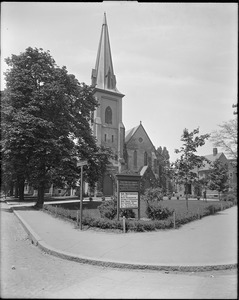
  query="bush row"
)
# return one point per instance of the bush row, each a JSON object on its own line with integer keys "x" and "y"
{"x": 104, "y": 223}
{"x": 136, "y": 225}
{"x": 108, "y": 209}
{"x": 230, "y": 196}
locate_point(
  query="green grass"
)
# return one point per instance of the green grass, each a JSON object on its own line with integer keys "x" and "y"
{"x": 92, "y": 218}
{"x": 194, "y": 206}
{"x": 90, "y": 208}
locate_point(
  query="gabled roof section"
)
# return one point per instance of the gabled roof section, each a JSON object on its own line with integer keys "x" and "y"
{"x": 129, "y": 133}
{"x": 103, "y": 76}
{"x": 211, "y": 158}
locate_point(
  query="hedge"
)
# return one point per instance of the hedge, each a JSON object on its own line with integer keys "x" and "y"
{"x": 133, "y": 224}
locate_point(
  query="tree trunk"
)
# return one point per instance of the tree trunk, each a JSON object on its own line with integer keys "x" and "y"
{"x": 21, "y": 189}
{"x": 11, "y": 189}
{"x": 40, "y": 196}
{"x": 187, "y": 200}
{"x": 186, "y": 188}
{"x": 16, "y": 192}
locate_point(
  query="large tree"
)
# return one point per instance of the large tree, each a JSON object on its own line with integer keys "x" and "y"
{"x": 163, "y": 167}
{"x": 226, "y": 138}
{"x": 218, "y": 177}
{"x": 187, "y": 163}
{"x": 46, "y": 114}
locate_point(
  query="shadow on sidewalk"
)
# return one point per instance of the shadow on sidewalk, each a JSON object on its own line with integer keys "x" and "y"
{"x": 9, "y": 210}
{"x": 22, "y": 207}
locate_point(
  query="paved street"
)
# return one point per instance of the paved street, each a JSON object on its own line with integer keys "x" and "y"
{"x": 27, "y": 272}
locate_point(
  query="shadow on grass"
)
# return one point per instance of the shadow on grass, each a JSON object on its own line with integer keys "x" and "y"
{"x": 76, "y": 206}
{"x": 6, "y": 210}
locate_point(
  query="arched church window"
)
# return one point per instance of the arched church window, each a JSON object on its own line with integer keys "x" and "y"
{"x": 145, "y": 158}
{"x": 108, "y": 115}
{"x": 135, "y": 159}
{"x": 150, "y": 161}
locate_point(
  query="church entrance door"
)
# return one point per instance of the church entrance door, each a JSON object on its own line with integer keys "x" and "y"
{"x": 107, "y": 186}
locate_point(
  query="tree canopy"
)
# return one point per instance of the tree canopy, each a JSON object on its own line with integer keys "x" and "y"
{"x": 46, "y": 129}
{"x": 226, "y": 137}
{"x": 188, "y": 161}
{"x": 164, "y": 168}
{"x": 218, "y": 177}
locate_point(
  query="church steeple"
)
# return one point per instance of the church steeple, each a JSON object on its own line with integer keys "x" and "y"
{"x": 103, "y": 76}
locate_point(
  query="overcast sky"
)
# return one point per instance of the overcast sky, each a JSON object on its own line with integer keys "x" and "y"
{"x": 176, "y": 63}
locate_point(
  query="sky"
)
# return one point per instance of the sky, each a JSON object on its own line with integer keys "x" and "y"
{"x": 176, "y": 63}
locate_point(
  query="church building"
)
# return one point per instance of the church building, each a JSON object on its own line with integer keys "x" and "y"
{"x": 133, "y": 150}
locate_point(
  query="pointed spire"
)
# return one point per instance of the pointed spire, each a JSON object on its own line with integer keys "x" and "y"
{"x": 103, "y": 75}
{"x": 104, "y": 21}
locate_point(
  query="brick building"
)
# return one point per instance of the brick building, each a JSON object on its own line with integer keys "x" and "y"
{"x": 204, "y": 171}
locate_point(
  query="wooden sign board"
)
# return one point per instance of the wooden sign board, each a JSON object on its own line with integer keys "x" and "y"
{"x": 128, "y": 187}
{"x": 125, "y": 185}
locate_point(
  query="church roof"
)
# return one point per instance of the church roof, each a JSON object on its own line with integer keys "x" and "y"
{"x": 103, "y": 76}
{"x": 129, "y": 133}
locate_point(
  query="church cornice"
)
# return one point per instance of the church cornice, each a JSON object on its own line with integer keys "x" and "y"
{"x": 110, "y": 92}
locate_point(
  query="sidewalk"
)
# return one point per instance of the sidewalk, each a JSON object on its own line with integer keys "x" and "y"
{"x": 209, "y": 243}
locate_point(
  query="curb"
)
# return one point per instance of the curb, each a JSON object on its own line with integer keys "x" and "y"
{"x": 37, "y": 241}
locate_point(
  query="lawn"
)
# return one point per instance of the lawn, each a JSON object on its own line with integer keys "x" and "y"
{"x": 194, "y": 207}
{"x": 89, "y": 207}
{"x": 92, "y": 218}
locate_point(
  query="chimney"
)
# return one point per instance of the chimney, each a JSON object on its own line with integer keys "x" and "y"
{"x": 214, "y": 151}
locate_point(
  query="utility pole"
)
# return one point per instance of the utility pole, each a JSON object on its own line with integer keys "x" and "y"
{"x": 81, "y": 164}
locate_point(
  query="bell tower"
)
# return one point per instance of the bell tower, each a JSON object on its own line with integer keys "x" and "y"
{"x": 107, "y": 119}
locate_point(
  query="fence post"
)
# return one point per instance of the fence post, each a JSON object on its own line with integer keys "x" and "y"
{"x": 56, "y": 210}
{"x": 199, "y": 213}
{"x": 124, "y": 224}
{"x": 174, "y": 219}
{"x": 77, "y": 218}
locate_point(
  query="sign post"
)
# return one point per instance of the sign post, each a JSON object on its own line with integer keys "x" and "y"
{"x": 81, "y": 164}
{"x": 128, "y": 187}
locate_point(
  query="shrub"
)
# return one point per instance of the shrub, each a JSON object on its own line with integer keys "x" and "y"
{"x": 230, "y": 196}
{"x": 153, "y": 194}
{"x": 182, "y": 219}
{"x": 155, "y": 211}
{"x": 127, "y": 213}
{"x": 108, "y": 209}
{"x": 211, "y": 209}
{"x": 137, "y": 226}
